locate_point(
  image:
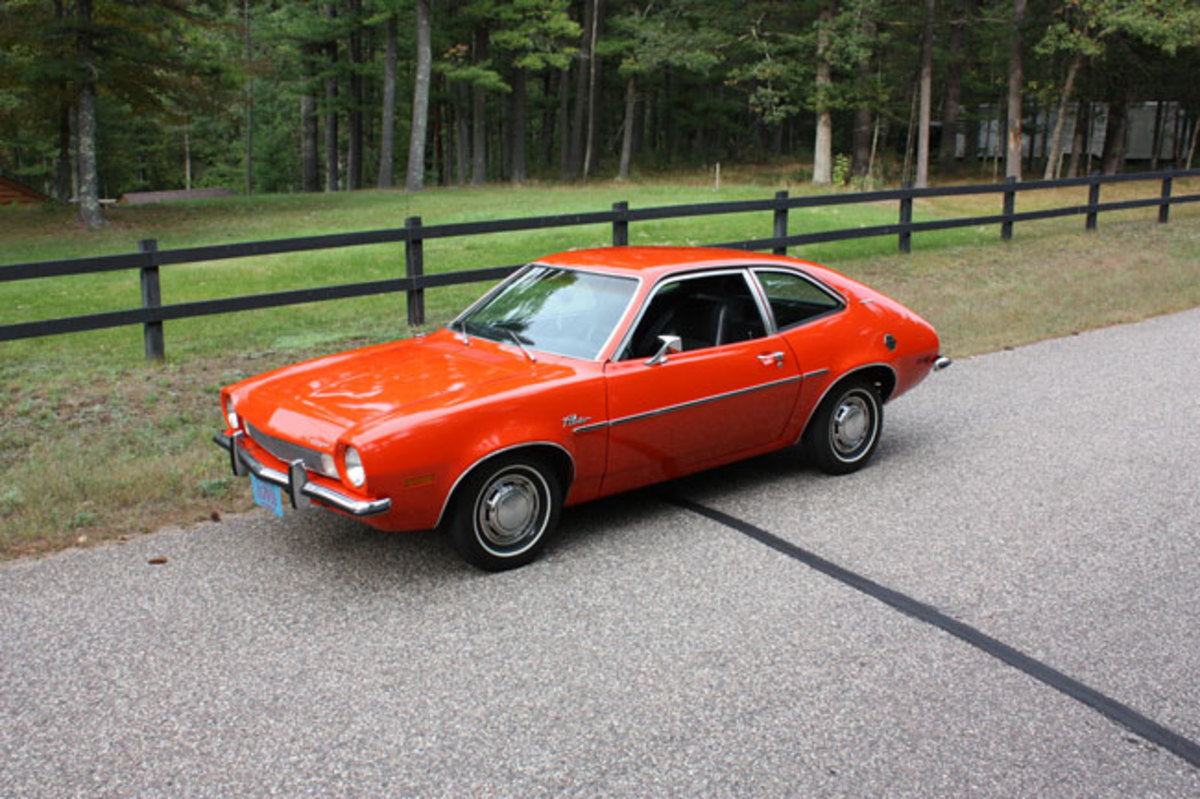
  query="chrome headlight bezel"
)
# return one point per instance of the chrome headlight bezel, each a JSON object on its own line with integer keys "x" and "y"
{"x": 231, "y": 417}
{"x": 352, "y": 467}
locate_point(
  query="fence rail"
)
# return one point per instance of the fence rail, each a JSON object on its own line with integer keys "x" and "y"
{"x": 149, "y": 259}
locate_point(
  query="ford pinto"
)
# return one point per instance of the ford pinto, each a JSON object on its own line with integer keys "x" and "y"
{"x": 582, "y": 375}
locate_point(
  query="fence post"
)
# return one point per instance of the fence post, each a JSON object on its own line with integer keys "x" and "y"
{"x": 620, "y": 227}
{"x": 414, "y": 267}
{"x": 1010, "y": 207}
{"x": 781, "y": 221}
{"x": 152, "y": 332}
{"x": 1093, "y": 201}
{"x": 906, "y": 204}
{"x": 1164, "y": 210}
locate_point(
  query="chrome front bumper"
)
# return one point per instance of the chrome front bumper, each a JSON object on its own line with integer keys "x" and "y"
{"x": 295, "y": 482}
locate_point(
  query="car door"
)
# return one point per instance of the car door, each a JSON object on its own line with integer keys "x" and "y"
{"x": 730, "y": 391}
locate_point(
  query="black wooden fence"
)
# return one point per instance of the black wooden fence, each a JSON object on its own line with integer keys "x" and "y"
{"x": 149, "y": 258}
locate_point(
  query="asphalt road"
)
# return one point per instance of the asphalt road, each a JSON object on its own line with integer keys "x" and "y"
{"x": 1046, "y": 498}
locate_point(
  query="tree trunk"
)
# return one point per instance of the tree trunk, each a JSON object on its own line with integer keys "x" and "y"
{"x": 387, "y": 137}
{"x": 187, "y": 154}
{"x": 1082, "y": 139}
{"x": 1114, "y": 137}
{"x": 439, "y": 136}
{"x": 1159, "y": 123}
{"x": 823, "y": 146}
{"x": 62, "y": 186}
{"x": 415, "y": 177}
{"x": 1016, "y": 82}
{"x": 62, "y": 182}
{"x": 517, "y": 134}
{"x": 354, "y": 148}
{"x": 1060, "y": 120}
{"x": 639, "y": 123}
{"x": 1192, "y": 146}
{"x": 564, "y": 127}
{"x": 948, "y": 146}
{"x": 462, "y": 134}
{"x": 505, "y": 139}
{"x": 627, "y": 132}
{"x": 309, "y": 166}
{"x": 860, "y": 150}
{"x": 331, "y": 115}
{"x": 479, "y": 120}
{"x": 926, "y": 102}
{"x": 1176, "y": 134}
{"x": 1034, "y": 129}
{"x": 593, "y": 120}
{"x": 546, "y": 138}
{"x": 249, "y": 106}
{"x": 89, "y": 179}
{"x": 575, "y": 157}
{"x": 910, "y": 137}
{"x": 670, "y": 139}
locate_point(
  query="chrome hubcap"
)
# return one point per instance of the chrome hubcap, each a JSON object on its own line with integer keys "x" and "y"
{"x": 509, "y": 511}
{"x": 853, "y": 424}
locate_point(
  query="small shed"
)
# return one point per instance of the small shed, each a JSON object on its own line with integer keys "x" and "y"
{"x": 12, "y": 193}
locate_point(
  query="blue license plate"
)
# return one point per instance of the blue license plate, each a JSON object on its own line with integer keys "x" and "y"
{"x": 267, "y": 495}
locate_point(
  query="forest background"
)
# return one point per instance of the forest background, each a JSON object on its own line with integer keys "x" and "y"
{"x": 100, "y": 97}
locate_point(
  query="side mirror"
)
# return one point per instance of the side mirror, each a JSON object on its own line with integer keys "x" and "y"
{"x": 669, "y": 344}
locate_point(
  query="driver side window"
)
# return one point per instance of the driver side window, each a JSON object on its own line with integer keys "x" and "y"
{"x": 703, "y": 311}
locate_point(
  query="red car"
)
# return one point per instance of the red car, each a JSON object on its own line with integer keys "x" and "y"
{"x": 582, "y": 375}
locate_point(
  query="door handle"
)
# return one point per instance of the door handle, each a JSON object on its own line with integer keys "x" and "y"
{"x": 767, "y": 358}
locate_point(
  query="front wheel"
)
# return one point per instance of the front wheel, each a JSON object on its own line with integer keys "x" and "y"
{"x": 503, "y": 512}
{"x": 842, "y": 435}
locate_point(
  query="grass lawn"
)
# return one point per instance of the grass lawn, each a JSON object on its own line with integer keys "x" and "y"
{"x": 99, "y": 445}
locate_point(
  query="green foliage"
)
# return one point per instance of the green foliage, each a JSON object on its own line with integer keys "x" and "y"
{"x": 712, "y": 80}
{"x": 535, "y": 34}
{"x": 841, "y": 169}
{"x": 649, "y": 39}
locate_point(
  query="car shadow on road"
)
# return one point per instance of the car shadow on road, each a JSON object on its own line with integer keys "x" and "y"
{"x": 347, "y": 550}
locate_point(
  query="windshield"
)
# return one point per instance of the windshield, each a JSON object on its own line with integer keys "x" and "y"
{"x": 554, "y": 310}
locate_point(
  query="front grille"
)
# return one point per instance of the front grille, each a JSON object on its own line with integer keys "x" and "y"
{"x": 287, "y": 452}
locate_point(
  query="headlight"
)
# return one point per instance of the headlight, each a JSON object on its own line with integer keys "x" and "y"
{"x": 231, "y": 416}
{"x": 354, "y": 468}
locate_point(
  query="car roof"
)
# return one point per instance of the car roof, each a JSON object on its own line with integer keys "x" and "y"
{"x": 653, "y": 262}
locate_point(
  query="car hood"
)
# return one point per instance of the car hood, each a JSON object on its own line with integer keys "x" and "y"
{"x": 317, "y": 401}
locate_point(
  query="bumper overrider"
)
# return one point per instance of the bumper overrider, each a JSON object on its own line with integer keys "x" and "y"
{"x": 300, "y": 490}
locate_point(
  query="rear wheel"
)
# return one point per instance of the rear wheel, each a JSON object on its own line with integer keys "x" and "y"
{"x": 504, "y": 510}
{"x": 842, "y": 435}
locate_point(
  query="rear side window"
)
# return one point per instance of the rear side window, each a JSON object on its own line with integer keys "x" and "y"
{"x": 795, "y": 300}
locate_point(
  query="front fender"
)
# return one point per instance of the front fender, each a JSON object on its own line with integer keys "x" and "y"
{"x": 420, "y": 459}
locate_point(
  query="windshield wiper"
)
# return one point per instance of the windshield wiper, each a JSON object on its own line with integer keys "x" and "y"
{"x": 517, "y": 338}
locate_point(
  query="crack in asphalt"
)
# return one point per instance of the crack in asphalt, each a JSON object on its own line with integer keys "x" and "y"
{"x": 1144, "y": 727}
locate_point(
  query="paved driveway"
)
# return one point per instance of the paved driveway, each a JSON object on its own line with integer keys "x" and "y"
{"x": 1003, "y": 604}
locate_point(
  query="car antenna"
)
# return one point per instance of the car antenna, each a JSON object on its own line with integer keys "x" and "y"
{"x": 513, "y": 334}
{"x": 462, "y": 328}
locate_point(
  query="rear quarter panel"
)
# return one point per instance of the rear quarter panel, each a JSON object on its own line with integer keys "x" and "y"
{"x": 855, "y": 339}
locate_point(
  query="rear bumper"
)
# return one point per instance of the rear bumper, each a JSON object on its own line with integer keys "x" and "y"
{"x": 295, "y": 482}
